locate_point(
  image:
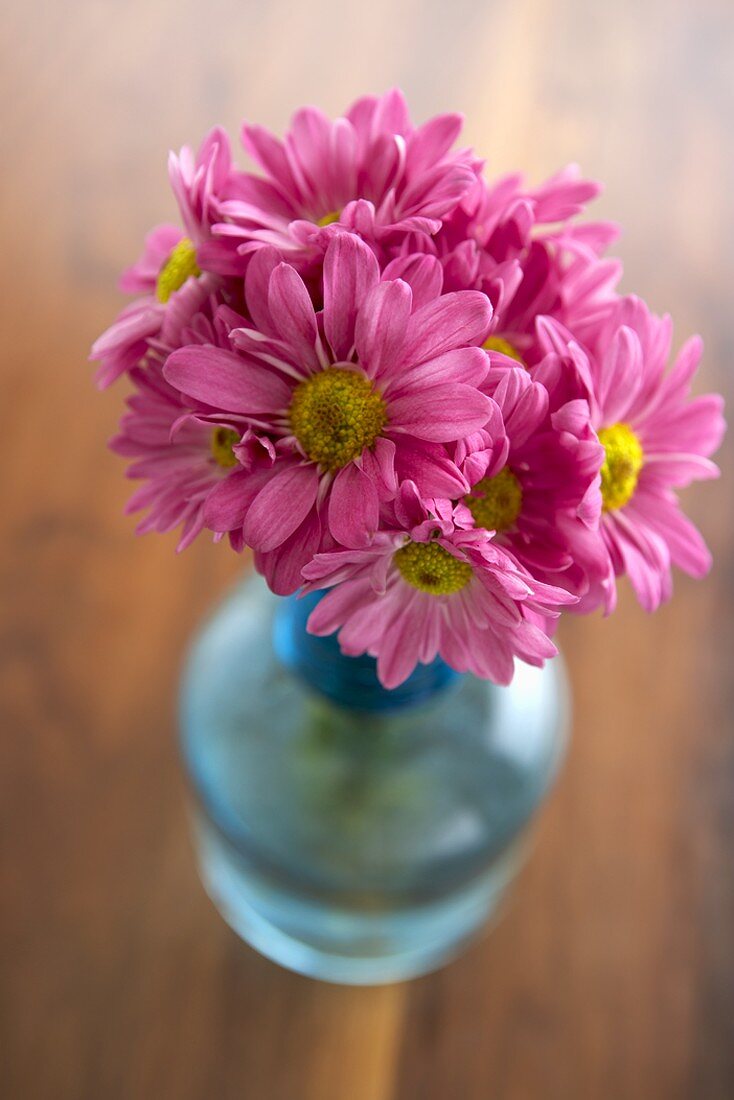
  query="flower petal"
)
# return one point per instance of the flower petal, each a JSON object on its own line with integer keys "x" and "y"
{"x": 257, "y": 282}
{"x": 429, "y": 466}
{"x": 350, "y": 271}
{"x": 401, "y": 640}
{"x": 228, "y": 503}
{"x": 468, "y": 365}
{"x": 353, "y": 507}
{"x": 225, "y": 381}
{"x": 422, "y": 273}
{"x": 620, "y": 376}
{"x": 293, "y": 314}
{"x": 453, "y": 320}
{"x": 379, "y": 333}
{"x": 440, "y": 413}
{"x": 281, "y": 506}
{"x": 687, "y": 548}
{"x": 282, "y": 566}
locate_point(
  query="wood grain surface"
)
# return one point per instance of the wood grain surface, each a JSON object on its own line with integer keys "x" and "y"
{"x": 612, "y": 975}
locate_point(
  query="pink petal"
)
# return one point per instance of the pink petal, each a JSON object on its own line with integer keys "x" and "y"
{"x": 644, "y": 554}
{"x": 676, "y": 385}
{"x": 225, "y": 381}
{"x": 432, "y": 141}
{"x": 401, "y": 641}
{"x": 363, "y": 631}
{"x": 379, "y": 465}
{"x": 469, "y": 365}
{"x": 282, "y": 566}
{"x": 440, "y": 413}
{"x": 228, "y": 503}
{"x": 350, "y": 271}
{"x": 293, "y": 314}
{"x": 523, "y": 402}
{"x": 308, "y": 145}
{"x": 257, "y": 283}
{"x": 133, "y": 325}
{"x": 621, "y": 374}
{"x": 159, "y": 243}
{"x": 353, "y": 507}
{"x": 338, "y": 605}
{"x": 270, "y": 154}
{"x": 422, "y": 273}
{"x": 380, "y": 330}
{"x": 391, "y": 114}
{"x": 453, "y": 320}
{"x": 429, "y": 466}
{"x": 216, "y": 153}
{"x": 281, "y": 506}
{"x": 695, "y": 426}
{"x": 687, "y": 548}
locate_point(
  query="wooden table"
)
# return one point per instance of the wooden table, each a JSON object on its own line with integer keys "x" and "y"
{"x": 612, "y": 975}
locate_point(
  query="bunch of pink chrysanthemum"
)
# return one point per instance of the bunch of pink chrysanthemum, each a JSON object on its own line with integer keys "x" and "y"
{"x": 420, "y": 390}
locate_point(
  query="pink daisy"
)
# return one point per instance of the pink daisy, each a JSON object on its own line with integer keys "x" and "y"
{"x": 425, "y": 588}
{"x": 656, "y": 441}
{"x": 352, "y": 400}
{"x": 371, "y": 171}
{"x": 508, "y": 242}
{"x": 181, "y": 456}
{"x": 176, "y": 272}
{"x": 533, "y": 472}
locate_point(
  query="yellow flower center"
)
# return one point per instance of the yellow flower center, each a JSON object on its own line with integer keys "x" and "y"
{"x": 329, "y": 219}
{"x": 495, "y": 502}
{"x": 222, "y": 442}
{"x": 335, "y": 414}
{"x": 622, "y": 464}
{"x": 498, "y": 343}
{"x": 430, "y": 568}
{"x": 180, "y": 265}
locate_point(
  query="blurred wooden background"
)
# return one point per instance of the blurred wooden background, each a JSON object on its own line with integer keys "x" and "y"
{"x": 612, "y": 975}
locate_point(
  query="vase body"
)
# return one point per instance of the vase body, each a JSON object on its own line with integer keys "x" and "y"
{"x": 350, "y": 833}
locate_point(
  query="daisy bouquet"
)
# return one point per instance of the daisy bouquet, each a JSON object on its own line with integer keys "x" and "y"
{"x": 408, "y": 386}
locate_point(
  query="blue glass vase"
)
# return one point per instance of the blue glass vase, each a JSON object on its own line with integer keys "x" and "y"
{"x": 351, "y": 833}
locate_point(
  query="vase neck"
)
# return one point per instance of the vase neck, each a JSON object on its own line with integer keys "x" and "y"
{"x": 349, "y": 681}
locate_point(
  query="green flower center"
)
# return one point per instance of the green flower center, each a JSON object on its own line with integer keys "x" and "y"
{"x": 495, "y": 502}
{"x": 335, "y": 414}
{"x": 622, "y": 464}
{"x": 222, "y": 442}
{"x": 180, "y": 266}
{"x": 498, "y": 343}
{"x": 430, "y": 568}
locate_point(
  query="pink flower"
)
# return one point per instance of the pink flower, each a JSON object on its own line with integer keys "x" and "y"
{"x": 175, "y": 273}
{"x": 423, "y": 588}
{"x": 507, "y": 242}
{"x": 352, "y": 400}
{"x": 533, "y": 471}
{"x": 180, "y": 456}
{"x": 371, "y": 171}
{"x": 657, "y": 440}
{"x": 409, "y": 386}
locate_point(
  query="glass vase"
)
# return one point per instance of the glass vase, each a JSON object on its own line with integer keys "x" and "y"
{"x": 351, "y": 833}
